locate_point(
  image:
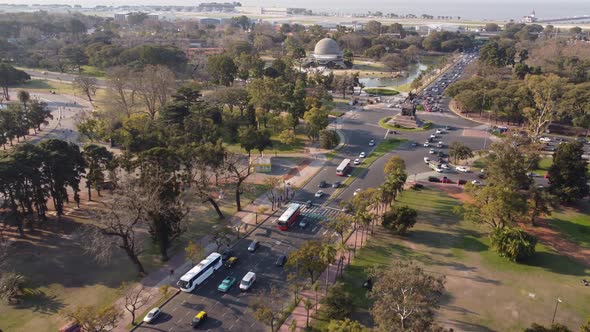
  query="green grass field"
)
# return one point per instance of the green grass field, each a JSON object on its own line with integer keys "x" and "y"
{"x": 573, "y": 222}
{"x": 484, "y": 291}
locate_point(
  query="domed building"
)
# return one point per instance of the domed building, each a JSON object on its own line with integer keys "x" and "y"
{"x": 326, "y": 53}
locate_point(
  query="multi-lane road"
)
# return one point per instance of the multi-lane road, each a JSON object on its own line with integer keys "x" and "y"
{"x": 230, "y": 311}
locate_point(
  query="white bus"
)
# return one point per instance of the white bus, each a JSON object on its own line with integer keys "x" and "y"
{"x": 343, "y": 167}
{"x": 200, "y": 273}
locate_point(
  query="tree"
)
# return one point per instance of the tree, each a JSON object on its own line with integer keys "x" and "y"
{"x": 268, "y": 307}
{"x": 585, "y": 327}
{"x": 136, "y": 297}
{"x": 74, "y": 56}
{"x": 308, "y": 305}
{"x": 94, "y": 319}
{"x": 288, "y": 137}
{"x": 345, "y": 325}
{"x": 238, "y": 171}
{"x": 395, "y": 164}
{"x": 399, "y": 219}
{"x": 495, "y": 205}
{"x": 154, "y": 86}
{"x": 554, "y": 328}
{"x": 97, "y": 159}
{"x": 11, "y": 76}
{"x": 222, "y": 68}
{"x": 338, "y": 303}
{"x": 568, "y": 177}
{"x": 394, "y": 62}
{"x": 87, "y": 85}
{"x": 308, "y": 260}
{"x": 540, "y": 203}
{"x": 121, "y": 89}
{"x": 460, "y": 151}
{"x": 492, "y": 27}
{"x": 222, "y": 236}
{"x": 328, "y": 139}
{"x": 38, "y": 113}
{"x": 405, "y": 297}
{"x": 546, "y": 92}
{"x": 513, "y": 243}
{"x": 373, "y": 27}
{"x": 193, "y": 252}
{"x": 315, "y": 119}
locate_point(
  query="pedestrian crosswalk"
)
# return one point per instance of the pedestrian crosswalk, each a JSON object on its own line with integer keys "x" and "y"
{"x": 318, "y": 213}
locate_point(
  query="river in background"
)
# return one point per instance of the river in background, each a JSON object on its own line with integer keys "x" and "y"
{"x": 413, "y": 71}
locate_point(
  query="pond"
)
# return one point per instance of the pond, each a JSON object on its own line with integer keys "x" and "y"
{"x": 413, "y": 71}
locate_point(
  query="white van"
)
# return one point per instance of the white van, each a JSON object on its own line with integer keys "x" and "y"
{"x": 247, "y": 281}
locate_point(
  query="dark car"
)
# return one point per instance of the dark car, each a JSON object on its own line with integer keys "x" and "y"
{"x": 281, "y": 260}
{"x": 227, "y": 254}
{"x": 322, "y": 184}
{"x": 336, "y": 184}
{"x": 433, "y": 179}
{"x": 253, "y": 246}
{"x": 303, "y": 223}
{"x": 461, "y": 182}
{"x": 308, "y": 204}
{"x": 446, "y": 180}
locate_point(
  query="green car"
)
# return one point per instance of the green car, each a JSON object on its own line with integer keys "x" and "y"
{"x": 226, "y": 284}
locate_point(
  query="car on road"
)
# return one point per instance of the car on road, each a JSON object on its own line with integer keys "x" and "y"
{"x": 227, "y": 254}
{"x": 281, "y": 260}
{"x": 319, "y": 194}
{"x": 336, "y": 184}
{"x": 445, "y": 179}
{"x": 438, "y": 131}
{"x": 432, "y": 136}
{"x": 444, "y": 166}
{"x": 362, "y": 155}
{"x": 372, "y": 142}
{"x": 199, "y": 318}
{"x": 357, "y": 161}
{"x": 476, "y": 182}
{"x": 309, "y": 204}
{"x": 303, "y": 223}
{"x": 322, "y": 184}
{"x": 253, "y": 245}
{"x": 440, "y": 144}
{"x": 247, "y": 281}
{"x": 426, "y": 160}
{"x": 151, "y": 316}
{"x": 447, "y": 128}
{"x": 463, "y": 169}
{"x": 432, "y": 151}
{"x": 545, "y": 139}
{"x": 414, "y": 144}
{"x": 226, "y": 284}
{"x": 426, "y": 144}
{"x": 356, "y": 192}
{"x": 231, "y": 261}
{"x": 438, "y": 169}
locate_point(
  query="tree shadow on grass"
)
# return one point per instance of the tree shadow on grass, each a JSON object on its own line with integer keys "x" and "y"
{"x": 462, "y": 239}
{"x": 39, "y": 302}
{"x": 557, "y": 264}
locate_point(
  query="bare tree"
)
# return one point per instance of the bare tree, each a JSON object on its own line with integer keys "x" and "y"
{"x": 136, "y": 297}
{"x": 271, "y": 186}
{"x": 121, "y": 89}
{"x": 86, "y": 84}
{"x": 118, "y": 225}
{"x": 154, "y": 86}
{"x": 268, "y": 307}
{"x": 94, "y": 319}
{"x": 238, "y": 169}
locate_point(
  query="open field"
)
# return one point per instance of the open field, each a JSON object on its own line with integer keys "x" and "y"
{"x": 573, "y": 223}
{"x": 60, "y": 274}
{"x": 484, "y": 292}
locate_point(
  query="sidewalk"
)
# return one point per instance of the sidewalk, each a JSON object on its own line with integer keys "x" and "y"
{"x": 244, "y": 220}
{"x": 299, "y": 314}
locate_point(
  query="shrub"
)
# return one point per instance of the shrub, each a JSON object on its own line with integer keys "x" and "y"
{"x": 399, "y": 219}
{"x": 513, "y": 243}
{"x": 381, "y": 91}
{"x": 337, "y": 304}
{"x": 328, "y": 139}
{"x": 420, "y": 107}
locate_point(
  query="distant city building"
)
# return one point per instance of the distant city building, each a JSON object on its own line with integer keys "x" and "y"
{"x": 281, "y": 11}
{"x": 210, "y": 21}
{"x": 326, "y": 53}
{"x": 530, "y": 18}
{"x": 218, "y": 7}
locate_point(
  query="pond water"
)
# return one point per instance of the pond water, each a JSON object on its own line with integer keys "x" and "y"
{"x": 413, "y": 71}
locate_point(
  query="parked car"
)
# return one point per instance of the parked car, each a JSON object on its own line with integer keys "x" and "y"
{"x": 253, "y": 245}
{"x": 336, "y": 184}
{"x": 432, "y": 151}
{"x": 231, "y": 261}
{"x": 439, "y": 145}
{"x": 322, "y": 184}
{"x": 152, "y": 315}
{"x": 356, "y": 192}
{"x": 545, "y": 139}
{"x": 444, "y": 166}
{"x": 433, "y": 179}
{"x": 461, "y": 182}
{"x": 199, "y": 318}
{"x": 281, "y": 260}
{"x": 227, "y": 254}
{"x": 319, "y": 194}
{"x": 426, "y": 160}
{"x": 362, "y": 155}
{"x": 438, "y": 131}
{"x": 226, "y": 284}
{"x": 357, "y": 161}
{"x": 247, "y": 281}
{"x": 446, "y": 180}
{"x": 426, "y": 144}
{"x": 476, "y": 182}
{"x": 372, "y": 142}
{"x": 432, "y": 136}
{"x": 303, "y": 223}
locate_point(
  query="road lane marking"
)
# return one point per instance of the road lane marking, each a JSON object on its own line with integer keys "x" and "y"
{"x": 173, "y": 310}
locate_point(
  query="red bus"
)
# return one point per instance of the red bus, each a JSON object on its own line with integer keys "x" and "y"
{"x": 288, "y": 217}
{"x": 343, "y": 167}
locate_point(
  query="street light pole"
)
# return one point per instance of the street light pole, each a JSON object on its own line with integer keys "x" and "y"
{"x": 557, "y": 302}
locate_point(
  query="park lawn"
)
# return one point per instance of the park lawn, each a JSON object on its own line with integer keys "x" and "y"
{"x": 45, "y": 86}
{"x": 277, "y": 146}
{"x": 484, "y": 291}
{"x": 93, "y": 71}
{"x": 60, "y": 274}
{"x": 573, "y": 222}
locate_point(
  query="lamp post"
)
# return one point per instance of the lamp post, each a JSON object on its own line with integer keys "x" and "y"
{"x": 557, "y": 302}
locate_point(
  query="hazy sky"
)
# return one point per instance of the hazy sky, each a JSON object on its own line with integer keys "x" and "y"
{"x": 476, "y": 9}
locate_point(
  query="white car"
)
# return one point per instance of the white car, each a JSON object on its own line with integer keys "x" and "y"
{"x": 152, "y": 315}
{"x": 432, "y": 151}
{"x": 432, "y": 136}
{"x": 438, "y": 131}
{"x": 462, "y": 169}
{"x": 545, "y": 139}
{"x": 426, "y": 144}
{"x": 372, "y": 142}
{"x": 357, "y": 161}
{"x": 439, "y": 144}
{"x": 426, "y": 160}
{"x": 319, "y": 193}
{"x": 476, "y": 182}
{"x": 356, "y": 192}
{"x": 444, "y": 166}
{"x": 362, "y": 155}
